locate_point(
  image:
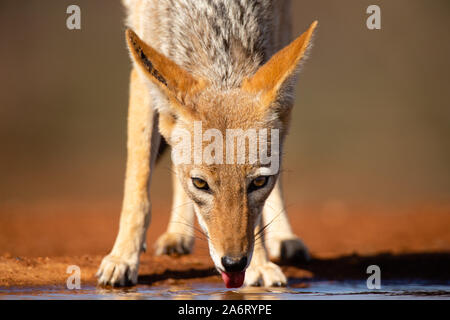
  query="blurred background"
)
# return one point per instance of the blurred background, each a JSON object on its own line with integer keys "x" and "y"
{"x": 371, "y": 125}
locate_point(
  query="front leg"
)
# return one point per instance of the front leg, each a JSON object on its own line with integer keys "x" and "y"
{"x": 261, "y": 271}
{"x": 120, "y": 267}
{"x": 282, "y": 243}
{"x": 179, "y": 237}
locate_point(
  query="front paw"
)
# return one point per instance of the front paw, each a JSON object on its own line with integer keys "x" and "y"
{"x": 288, "y": 250}
{"x": 265, "y": 275}
{"x": 174, "y": 243}
{"x": 117, "y": 271}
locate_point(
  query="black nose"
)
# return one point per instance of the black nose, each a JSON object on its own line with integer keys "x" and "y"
{"x": 233, "y": 264}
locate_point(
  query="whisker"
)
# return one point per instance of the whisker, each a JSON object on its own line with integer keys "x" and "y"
{"x": 260, "y": 233}
{"x": 181, "y": 205}
{"x": 206, "y": 237}
{"x": 268, "y": 224}
{"x": 169, "y": 168}
{"x": 187, "y": 223}
{"x": 189, "y": 235}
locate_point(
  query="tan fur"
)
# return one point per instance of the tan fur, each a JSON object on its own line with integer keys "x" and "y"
{"x": 121, "y": 265}
{"x": 179, "y": 237}
{"x": 215, "y": 70}
{"x": 270, "y": 77}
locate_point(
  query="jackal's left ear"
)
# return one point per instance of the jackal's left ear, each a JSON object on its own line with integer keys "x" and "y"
{"x": 171, "y": 79}
{"x": 270, "y": 78}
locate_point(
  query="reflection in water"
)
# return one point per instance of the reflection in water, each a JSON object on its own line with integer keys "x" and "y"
{"x": 255, "y": 293}
{"x": 308, "y": 290}
{"x": 196, "y": 292}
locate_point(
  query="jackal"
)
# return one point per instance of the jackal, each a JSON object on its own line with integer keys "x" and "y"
{"x": 227, "y": 64}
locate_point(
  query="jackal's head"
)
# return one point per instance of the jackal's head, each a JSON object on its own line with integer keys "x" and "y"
{"x": 226, "y": 144}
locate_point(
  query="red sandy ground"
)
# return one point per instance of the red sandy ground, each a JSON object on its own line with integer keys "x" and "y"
{"x": 38, "y": 243}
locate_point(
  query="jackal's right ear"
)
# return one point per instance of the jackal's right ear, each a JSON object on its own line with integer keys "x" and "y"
{"x": 173, "y": 80}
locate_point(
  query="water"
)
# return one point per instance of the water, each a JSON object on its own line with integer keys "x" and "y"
{"x": 341, "y": 290}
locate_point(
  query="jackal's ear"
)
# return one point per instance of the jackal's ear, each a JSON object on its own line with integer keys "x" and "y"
{"x": 173, "y": 80}
{"x": 270, "y": 78}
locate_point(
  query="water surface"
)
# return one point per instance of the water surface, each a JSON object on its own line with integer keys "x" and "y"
{"x": 317, "y": 289}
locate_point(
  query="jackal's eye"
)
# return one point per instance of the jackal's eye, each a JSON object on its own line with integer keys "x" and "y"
{"x": 258, "y": 183}
{"x": 200, "y": 184}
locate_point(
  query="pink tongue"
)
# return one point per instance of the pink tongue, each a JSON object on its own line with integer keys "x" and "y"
{"x": 233, "y": 279}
